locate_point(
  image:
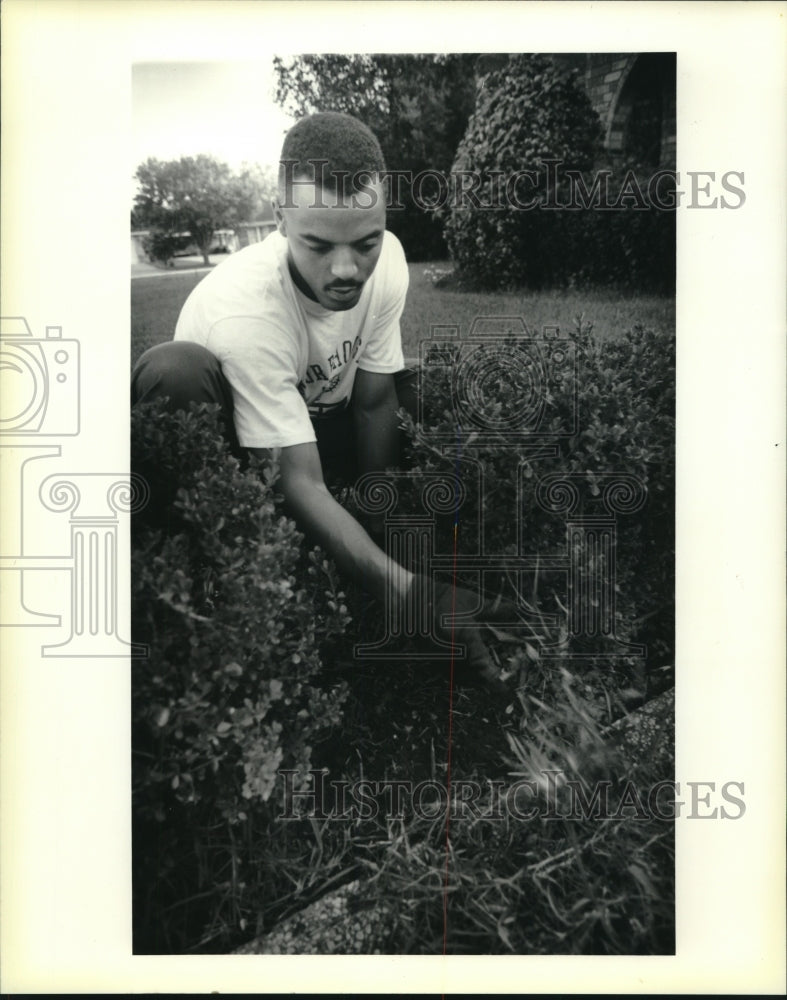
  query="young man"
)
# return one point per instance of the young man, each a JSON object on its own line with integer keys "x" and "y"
{"x": 298, "y": 339}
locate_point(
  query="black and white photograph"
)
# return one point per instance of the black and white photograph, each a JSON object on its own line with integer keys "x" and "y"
{"x": 392, "y": 465}
{"x": 409, "y": 681}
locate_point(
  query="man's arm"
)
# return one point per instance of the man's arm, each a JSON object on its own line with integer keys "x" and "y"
{"x": 328, "y": 523}
{"x": 315, "y": 511}
{"x": 376, "y": 430}
{"x": 376, "y": 425}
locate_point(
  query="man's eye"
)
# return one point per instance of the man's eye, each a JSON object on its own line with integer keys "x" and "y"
{"x": 368, "y": 247}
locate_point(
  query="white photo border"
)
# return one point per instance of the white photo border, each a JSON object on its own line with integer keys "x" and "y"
{"x": 66, "y": 78}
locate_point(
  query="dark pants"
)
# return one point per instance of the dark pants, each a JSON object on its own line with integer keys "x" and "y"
{"x": 186, "y": 372}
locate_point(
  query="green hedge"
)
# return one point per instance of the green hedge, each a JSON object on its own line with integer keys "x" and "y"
{"x": 236, "y": 617}
{"x": 620, "y": 402}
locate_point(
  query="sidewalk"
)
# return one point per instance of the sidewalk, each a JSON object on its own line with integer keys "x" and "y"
{"x": 144, "y": 269}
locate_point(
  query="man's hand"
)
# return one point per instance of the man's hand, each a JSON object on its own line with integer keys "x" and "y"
{"x": 440, "y": 604}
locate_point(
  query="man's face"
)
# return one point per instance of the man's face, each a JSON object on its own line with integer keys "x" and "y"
{"x": 332, "y": 249}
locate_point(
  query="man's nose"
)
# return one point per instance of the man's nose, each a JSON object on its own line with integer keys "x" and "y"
{"x": 343, "y": 264}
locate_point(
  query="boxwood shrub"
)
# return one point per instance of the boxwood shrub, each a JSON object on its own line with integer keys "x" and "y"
{"x": 236, "y": 615}
{"x": 621, "y": 404}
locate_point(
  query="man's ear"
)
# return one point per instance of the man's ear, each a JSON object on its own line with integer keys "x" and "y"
{"x": 278, "y": 216}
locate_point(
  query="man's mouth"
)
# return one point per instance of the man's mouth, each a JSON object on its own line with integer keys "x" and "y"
{"x": 344, "y": 291}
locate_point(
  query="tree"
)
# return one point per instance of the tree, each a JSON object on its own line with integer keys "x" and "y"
{"x": 528, "y": 112}
{"x": 195, "y": 195}
{"x": 416, "y": 105}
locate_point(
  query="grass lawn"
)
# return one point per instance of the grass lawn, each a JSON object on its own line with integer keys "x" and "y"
{"x": 156, "y": 302}
{"x": 610, "y": 313}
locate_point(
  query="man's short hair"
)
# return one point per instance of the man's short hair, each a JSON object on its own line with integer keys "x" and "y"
{"x": 331, "y": 149}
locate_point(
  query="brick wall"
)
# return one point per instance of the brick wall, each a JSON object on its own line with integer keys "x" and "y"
{"x": 623, "y": 86}
{"x": 604, "y": 79}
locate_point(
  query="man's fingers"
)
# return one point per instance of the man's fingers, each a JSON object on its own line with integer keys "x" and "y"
{"x": 479, "y": 660}
{"x": 461, "y": 615}
{"x": 476, "y": 654}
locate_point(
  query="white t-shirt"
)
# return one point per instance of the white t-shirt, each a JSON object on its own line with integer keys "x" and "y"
{"x": 286, "y": 357}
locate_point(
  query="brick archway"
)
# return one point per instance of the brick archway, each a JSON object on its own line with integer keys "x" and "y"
{"x": 640, "y": 123}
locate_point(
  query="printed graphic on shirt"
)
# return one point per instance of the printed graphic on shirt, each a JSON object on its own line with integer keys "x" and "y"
{"x": 318, "y": 383}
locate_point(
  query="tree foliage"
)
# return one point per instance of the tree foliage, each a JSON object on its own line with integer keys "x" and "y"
{"x": 196, "y": 195}
{"x": 417, "y": 106}
{"x": 527, "y": 112}
{"x": 533, "y": 127}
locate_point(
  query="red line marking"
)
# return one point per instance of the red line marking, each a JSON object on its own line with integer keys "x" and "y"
{"x": 448, "y": 761}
